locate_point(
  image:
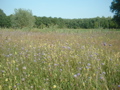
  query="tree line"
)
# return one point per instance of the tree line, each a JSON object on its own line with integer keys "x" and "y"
{"x": 24, "y": 18}
{"x": 87, "y": 23}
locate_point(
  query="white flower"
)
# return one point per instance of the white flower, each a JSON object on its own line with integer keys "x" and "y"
{"x": 23, "y": 79}
{"x": 75, "y": 75}
{"x": 24, "y": 68}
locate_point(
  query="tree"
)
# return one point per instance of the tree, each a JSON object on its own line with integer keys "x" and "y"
{"x": 8, "y": 21}
{"x": 22, "y": 18}
{"x": 115, "y": 8}
{"x": 2, "y": 18}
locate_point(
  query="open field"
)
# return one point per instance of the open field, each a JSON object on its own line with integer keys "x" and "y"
{"x": 60, "y": 60}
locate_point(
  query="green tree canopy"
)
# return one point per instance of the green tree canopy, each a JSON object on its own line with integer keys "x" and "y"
{"x": 22, "y": 18}
{"x": 2, "y": 18}
{"x": 115, "y": 8}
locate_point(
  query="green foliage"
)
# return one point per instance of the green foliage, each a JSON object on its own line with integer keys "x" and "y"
{"x": 22, "y": 18}
{"x": 90, "y": 23}
{"x": 2, "y": 18}
{"x": 115, "y": 7}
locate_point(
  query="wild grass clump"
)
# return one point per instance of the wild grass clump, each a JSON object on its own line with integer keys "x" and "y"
{"x": 60, "y": 61}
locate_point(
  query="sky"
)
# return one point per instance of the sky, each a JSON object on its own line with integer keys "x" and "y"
{"x": 68, "y": 9}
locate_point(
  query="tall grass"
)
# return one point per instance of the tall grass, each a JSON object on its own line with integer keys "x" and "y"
{"x": 60, "y": 60}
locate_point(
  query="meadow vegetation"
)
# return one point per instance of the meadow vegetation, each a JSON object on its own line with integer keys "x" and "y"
{"x": 62, "y": 59}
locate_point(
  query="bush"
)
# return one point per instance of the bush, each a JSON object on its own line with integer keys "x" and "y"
{"x": 22, "y": 18}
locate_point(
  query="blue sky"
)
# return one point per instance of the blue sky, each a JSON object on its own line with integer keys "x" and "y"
{"x": 60, "y": 8}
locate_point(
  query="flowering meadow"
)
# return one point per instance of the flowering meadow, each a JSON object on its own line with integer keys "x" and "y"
{"x": 34, "y": 60}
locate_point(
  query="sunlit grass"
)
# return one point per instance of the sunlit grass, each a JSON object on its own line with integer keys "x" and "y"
{"x": 34, "y": 60}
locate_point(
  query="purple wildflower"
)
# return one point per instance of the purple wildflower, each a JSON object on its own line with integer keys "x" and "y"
{"x": 104, "y": 44}
{"x": 78, "y": 74}
{"x": 88, "y": 64}
{"x": 110, "y": 44}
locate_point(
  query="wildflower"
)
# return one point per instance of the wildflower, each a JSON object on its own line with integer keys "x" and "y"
{"x": 119, "y": 86}
{"x": 83, "y": 84}
{"x": 104, "y": 44}
{"x": 18, "y": 84}
{"x": 7, "y": 55}
{"x": 89, "y": 77}
{"x": 94, "y": 74}
{"x": 6, "y": 79}
{"x": 96, "y": 53}
{"x": 10, "y": 54}
{"x": 31, "y": 86}
{"x": 23, "y": 79}
{"x": 66, "y": 47}
{"x": 35, "y": 61}
{"x": 17, "y": 69}
{"x": 55, "y": 64}
{"x": 83, "y": 47}
{"x": 103, "y": 72}
{"x": 54, "y": 86}
{"x": 3, "y": 71}
{"x": 75, "y": 75}
{"x": 110, "y": 59}
{"x": 87, "y": 67}
{"x": 13, "y": 61}
{"x": 103, "y": 63}
{"x": 79, "y": 68}
{"x": 15, "y": 53}
{"x": 15, "y": 86}
{"x": 24, "y": 68}
{"x": 22, "y": 48}
{"x": 102, "y": 78}
{"x": 88, "y": 64}
{"x": 10, "y": 87}
{"x": 78, "y": 74}
{"x": 30, "y": 46}
{"x": 60, "y": 69}
{"x": 47, "y": 79}
{"x": 91, "y": 55}
{"x": 0, "y": 87}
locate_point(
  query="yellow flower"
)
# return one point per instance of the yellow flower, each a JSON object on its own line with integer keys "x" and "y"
{"x": 30, "y": 46}
{"x": 83, "y": 84}
{"x": 54, "y": 86}
{"x": 10, "y": 87}
{"x": 13, "y": 61}
{"x": 15, "y": 53}
{"x": 6, "y": 79}
{"x": 94, "y": 74}
{"x": 0, "y": 87}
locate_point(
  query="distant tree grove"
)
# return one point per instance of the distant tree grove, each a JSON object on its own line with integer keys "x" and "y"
{"x": 24, "y": 18}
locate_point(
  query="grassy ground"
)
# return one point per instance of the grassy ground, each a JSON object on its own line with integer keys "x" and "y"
{"x": 59, "y": 60}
